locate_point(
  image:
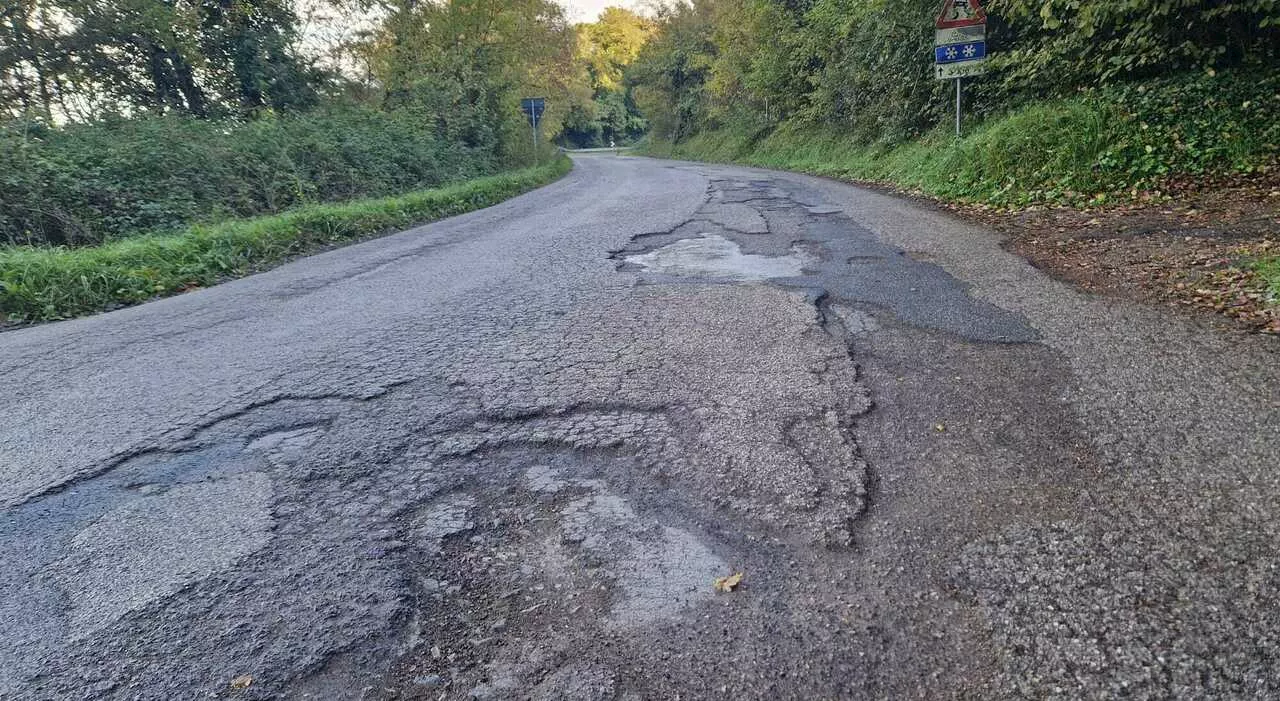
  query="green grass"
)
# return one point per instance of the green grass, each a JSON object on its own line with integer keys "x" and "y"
{"x": 1269, "y": 269}
{"x": 1096, "y": 148}
{"x": 41, "y": 283}
{"x": 1085, "y": 150}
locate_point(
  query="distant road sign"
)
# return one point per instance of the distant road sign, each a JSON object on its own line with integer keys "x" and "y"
{"x": 959, "y": 44}
{"x": 960, "y": 13}
{"x": 533, "y": 107}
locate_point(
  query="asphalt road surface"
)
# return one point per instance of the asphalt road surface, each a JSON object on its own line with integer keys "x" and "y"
{"x": 507, "y": 455}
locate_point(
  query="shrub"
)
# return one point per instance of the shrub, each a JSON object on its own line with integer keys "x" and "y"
{"x": 87, "y": 184}
{"x": 43, "y": 283}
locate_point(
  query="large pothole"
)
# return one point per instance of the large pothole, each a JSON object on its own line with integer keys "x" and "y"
{"x": 714, "y": 256}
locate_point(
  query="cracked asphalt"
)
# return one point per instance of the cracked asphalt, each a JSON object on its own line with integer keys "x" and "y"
{"x": 506, "y": 455}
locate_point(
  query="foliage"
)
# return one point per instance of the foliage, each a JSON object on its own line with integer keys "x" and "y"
{"x": 1088, "y": 149}
{"x": 606, "y": 48}
{"x": 611, "y": 44}
{"x": 82, "y": 59}
{"x": 1091, "y": 42}
{"x": 87, "y": 183}
{"x": 1194, "y": 124}
{"x": 54, "y": 283}
{"x": 465, "y": 64}
{"x": 669, "y": 77}
{"x": 864, "y": 66}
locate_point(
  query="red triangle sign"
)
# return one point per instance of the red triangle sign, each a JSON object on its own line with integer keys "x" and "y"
{"x": 960, "y": 13}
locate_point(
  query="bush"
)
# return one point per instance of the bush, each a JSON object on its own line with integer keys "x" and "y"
{"x": 41, "y": 283}
{"x": 1101, "y": 143}
{"x": 87, "y": 184}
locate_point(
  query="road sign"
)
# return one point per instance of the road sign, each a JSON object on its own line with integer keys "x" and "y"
{"x": 964, "y": 69}
{"x": 960, "y": 35}
{"x": 959, "y": 43}
{"x": 960, "y": 40}
{"x": 957, "y": 53}
{"x": 960, "y": 13}
{"x": 533, "y": 107}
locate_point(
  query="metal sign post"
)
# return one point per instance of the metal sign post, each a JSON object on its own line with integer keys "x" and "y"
{"x": 958, "y": 106}
{"x": 533, "y": 107}
{"x": 960, "y": 43}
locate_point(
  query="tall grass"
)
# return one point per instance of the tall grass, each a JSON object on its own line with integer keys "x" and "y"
{"x": 1084, "y": 149}
{"x": 44, "y": 283}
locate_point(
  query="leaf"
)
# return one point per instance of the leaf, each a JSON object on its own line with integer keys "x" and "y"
{"x": 725, "y": 585}
{"x": 242, "y": 682}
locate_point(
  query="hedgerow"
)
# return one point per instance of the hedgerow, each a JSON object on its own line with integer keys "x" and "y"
{"x": 84, "y": 184}
{"x": 46, "y": 283}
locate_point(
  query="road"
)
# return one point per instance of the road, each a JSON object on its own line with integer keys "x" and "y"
{"x": 506, "y": 455}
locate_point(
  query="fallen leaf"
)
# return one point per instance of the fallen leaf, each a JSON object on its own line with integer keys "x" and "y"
{"x": 727, "y": 584}
{"x": 242, "y": 682}
{"x": 939, "y": 428}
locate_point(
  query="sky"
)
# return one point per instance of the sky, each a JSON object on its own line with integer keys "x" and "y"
{"x": 589, "y": 10}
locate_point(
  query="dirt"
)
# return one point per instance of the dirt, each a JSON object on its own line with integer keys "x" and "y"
{"x": 1190, "y": 247}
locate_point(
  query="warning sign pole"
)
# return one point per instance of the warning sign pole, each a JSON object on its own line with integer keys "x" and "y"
{"x": 960, "y": 44}
{"x": 958, "y": 105}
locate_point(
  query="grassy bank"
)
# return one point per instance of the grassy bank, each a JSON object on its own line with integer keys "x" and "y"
{"x": 1269, "y": 269}
{"x": 1166, "y": 151}
{"x": 1086, "y": 150}
{"x": 86, "y": 184}
{"x": 40, "y": 283}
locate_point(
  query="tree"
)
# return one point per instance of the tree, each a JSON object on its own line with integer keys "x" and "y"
{"x": 72, "y": 58}
{"x": 610, "y": 44}
{"x": 465, "y": 63}
{"x": 32, "y": 66}
{"x": 605, "y": 49}
{"x": 669, "y": 78}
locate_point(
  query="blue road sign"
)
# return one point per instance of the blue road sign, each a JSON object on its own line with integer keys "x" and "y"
{"x": 955, "y": 53}
{"x": 533, "y": 107}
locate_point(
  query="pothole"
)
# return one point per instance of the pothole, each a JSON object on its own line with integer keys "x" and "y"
{"x": 148, "y": 549}
{"x": 711, "y": 255}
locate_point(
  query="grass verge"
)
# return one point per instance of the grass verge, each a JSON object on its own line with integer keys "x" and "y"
{"x": 1153, "y": 148}
{"x": 1102, "y": 146}
{"x": 1269, "y": 269}
{"x": 44, "y": 284}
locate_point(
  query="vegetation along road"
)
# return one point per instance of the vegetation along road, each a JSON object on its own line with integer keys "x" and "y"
{"x": 692, "y": 349}
{"x": 509, "y": 454}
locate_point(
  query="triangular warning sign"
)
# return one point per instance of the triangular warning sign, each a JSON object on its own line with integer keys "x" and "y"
{"x": 960, "y": 13}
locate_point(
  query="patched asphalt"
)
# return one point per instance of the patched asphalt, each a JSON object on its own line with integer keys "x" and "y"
{"x": 507, "y": 455}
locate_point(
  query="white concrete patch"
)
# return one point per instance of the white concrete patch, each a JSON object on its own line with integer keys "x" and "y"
{"x": 710, "y": 255}
{"x": 660, "y": 570}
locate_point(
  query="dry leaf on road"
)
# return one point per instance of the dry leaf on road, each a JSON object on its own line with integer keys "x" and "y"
{"x": 727, "y": 584}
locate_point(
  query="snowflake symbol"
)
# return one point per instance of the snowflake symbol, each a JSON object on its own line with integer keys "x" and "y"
{"x": 970, "y": 50}
{"x": 951, "y": 52}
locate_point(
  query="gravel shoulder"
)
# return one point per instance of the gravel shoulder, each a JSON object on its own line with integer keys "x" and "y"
{"x": 1192, "y": 249}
